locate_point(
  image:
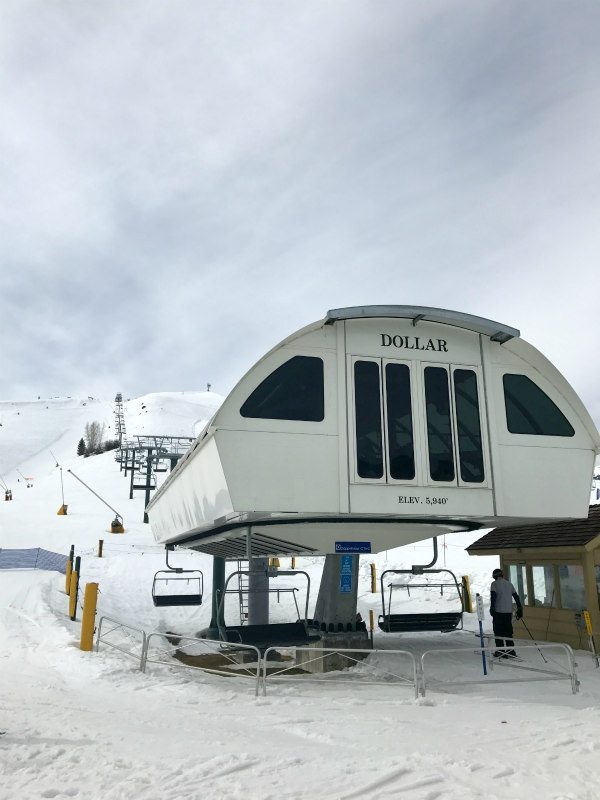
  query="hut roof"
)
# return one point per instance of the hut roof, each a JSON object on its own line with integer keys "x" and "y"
{"x": 554, "y": 533}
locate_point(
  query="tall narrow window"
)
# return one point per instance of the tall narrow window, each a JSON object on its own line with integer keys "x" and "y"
{"x": 439, "y": 425}
{"x": 572, "y": 586}
{"x": 293, "y": 391}
{"x": 399, "y": 422}
{"x": 470, "y": 446}
{"x": 544, "y": 592}
{"x": 529, "y": 410}
{"x": 517, "y": 575}
{"x": 369, "y": 450}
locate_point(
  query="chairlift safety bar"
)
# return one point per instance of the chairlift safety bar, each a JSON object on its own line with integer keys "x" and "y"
{"x": 272, "y": 574}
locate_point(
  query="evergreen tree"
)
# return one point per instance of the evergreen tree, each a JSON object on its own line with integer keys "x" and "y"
{"x": 81, "y": 447}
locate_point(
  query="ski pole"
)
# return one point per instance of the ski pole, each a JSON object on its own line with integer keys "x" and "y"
{"x": 480, "y": 615}
{"x": 533, "y": 640}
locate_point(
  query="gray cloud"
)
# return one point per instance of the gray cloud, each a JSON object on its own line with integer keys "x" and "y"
{"x": 184, "y": 184}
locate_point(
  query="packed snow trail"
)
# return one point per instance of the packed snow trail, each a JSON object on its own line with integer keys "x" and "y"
{"x": 91, "y": 725}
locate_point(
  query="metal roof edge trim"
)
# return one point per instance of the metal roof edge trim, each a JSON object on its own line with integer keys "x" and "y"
{"x": 495, "y": 330}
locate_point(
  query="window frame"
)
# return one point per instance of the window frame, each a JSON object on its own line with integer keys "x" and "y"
{"x": 244, "y": 390}
{"x": 486, "y": 482}
{"x": 453, "y": 431}
{"x": 564, "y": 563}
{"x": 415, "y": 401}
{"x": 481, "y": 399}
{"x": 422, "y": 477}
{"x": 555, "y": 438}
{"x": 527, "y": 596}
{"x": 353, "y": 444}
{"x": 556, "y": 599}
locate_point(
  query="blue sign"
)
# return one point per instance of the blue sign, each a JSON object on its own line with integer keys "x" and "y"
{"x": 346, "y": 574}
{"x": 353, "y": 547}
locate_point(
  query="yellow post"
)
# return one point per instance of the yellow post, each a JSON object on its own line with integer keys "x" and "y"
{"x": 373, "y": 578}
{"x": 68, "y": 572}
{"x": 467, "y": 599}
{"x": 371, "y": 620}
{"x": 74, "y": 589}
{"x": 88, "y": 618}
{"x": 293, "y": 562}
{"x": 73, "y": 595}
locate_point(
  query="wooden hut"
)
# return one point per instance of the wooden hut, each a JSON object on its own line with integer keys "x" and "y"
{"x": 555, "y": 567}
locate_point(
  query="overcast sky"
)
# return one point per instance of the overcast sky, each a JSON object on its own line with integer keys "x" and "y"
{"x": 183, "y": 184}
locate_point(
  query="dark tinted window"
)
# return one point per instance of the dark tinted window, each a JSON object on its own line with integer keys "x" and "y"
{"x": 294, "y": 390}
{"x": 530, "y": 410}
{"x": 369, "y": 452}
{"x": 470, "y": 448}
{"x": 399, "y": 422}
{"x": 439, "y": 426}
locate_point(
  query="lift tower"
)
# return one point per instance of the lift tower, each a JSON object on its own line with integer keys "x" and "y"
{"x": 119, "y": 418}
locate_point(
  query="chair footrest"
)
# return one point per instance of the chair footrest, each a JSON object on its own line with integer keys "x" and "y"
{"x": 405, "y": 623}
{"x": 178, "y": 600}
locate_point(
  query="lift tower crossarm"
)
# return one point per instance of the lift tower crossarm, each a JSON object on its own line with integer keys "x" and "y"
{"x": 97, "y": 495}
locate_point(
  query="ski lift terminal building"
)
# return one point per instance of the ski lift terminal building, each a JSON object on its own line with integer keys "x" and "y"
{"x": 376, "y": 427}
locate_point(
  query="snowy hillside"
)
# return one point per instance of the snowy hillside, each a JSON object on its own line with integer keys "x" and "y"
{"x": 170, "y": 413}
{"x": 92, "y": 725}
{"x": 30, "y": 430}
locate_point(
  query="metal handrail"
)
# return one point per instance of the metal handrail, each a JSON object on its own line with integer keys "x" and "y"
{"x": 118, "y": 625}
{"x": 276, "y": 590}
{"x": 549, "y": 675}
{"x": 321, "y": 653}
{"x": 410, "y": 572}
{"x": 410, "y": 586}
{"x": 218, "y": 646}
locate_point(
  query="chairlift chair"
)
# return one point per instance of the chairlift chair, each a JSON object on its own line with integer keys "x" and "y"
{"x": 194, "y": 579}
{"x": 442, "y": 621}
{"x": 284, "y": 634}
{"x": 151, "y": 484}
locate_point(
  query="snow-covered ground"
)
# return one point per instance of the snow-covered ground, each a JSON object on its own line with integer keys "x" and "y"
{"x": 91, "y": 725}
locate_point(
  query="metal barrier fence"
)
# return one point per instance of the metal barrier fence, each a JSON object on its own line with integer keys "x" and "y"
{"x": 206, "y": 655}
{"x": 309, "y": 665}
{"x": 522, "y": 670}
{"x": 347, "y": 665}
{"x": 122, "y": 628}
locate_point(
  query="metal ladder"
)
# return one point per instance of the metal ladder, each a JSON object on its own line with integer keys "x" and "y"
{"x": 243, "y": 593}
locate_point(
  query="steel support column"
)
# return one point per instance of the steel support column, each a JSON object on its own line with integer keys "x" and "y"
{"x": 258, "y": 592}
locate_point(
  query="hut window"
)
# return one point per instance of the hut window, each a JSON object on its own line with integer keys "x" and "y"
{"x": 529, "y": 410}
{"x": 439, "y": 424}
{"x": 367, "y": 398}
{"x": 399, "y": 422}
{"x": 470, "y": 447}
{"x": 517, "y": 575}
{"x": 544, "y": 592}
{"x": 294, "y": 391}
{"x": 572, "y": 587}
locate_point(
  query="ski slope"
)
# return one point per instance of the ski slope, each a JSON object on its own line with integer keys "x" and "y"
{"x": 91, "y": 725}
